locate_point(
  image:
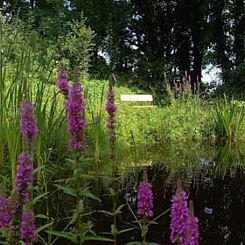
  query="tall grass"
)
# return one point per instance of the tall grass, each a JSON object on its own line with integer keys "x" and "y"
{"x": 22, "y": 74}
{"x": 229, "y": 118}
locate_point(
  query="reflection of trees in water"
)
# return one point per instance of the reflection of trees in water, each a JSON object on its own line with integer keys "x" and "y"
{"x": 217, "y": 187}
{"x": 214, "y": 178}
{"x": 220, "y": 207}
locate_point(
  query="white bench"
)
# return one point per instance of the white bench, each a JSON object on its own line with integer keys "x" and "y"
{"x": 137, "y": 98}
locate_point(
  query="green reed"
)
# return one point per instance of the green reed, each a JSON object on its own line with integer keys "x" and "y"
{"x": 229, "y": 117}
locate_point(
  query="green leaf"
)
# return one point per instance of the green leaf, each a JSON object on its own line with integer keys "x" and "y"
{"x": 41, "y": 216}
{"x": 36, "y": 170}
{"x": 68, "y": 235}
{"x": 134, "y": 243}
{"x": 41, "y": 228}
{"x": 105, "y": 212}
{"x": 90, "y": 195}
{"x": 98, "y": 238}
{"x": 118, "y": 210}
{"x": 152, "y": 222}
{"x": 37, "y": 198}
{"x": 144, "y": 230}
{"x": 67, "y": 190}
{"x": 124, "y": 231}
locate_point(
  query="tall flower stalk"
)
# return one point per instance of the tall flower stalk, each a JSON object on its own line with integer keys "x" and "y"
{"x": 28, "y": 125}
{"x": 194, "y": 229}
{"x": 75, "y": 112}
{"x": 28, "y": 227}
{"x": 20, "y": 196}
{"x": 75, "y": 107}
{"x": 145, "y": 205}
{"x": 145, "y": 198}
{"x": 111, "y": 109}
{"x": 4, "y": 212}
{"x": 184, "y": 225}
{"x": 62, "y": 82}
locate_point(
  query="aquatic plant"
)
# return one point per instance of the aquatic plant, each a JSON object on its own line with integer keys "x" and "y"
{"x": 28, "y": 227}
{"x": 228, "y": 119}
{"x": 24, "y": 177}
{"x": 20, "y": 196}
{"x": 28, "y": 125}
{"x": 145, "y": 205}
{"x": 111, "y": 109}
{"x": 62, "y": 82}
{"x": 75, "y": 107}
{"x": 180, "y": 221}
{"x": 194, "y": 228}
{"x": 4, "y": 212}
{"x": 144, "y": 210}
{"x": 145, "y": 199}
{"x": 184, "y": 225}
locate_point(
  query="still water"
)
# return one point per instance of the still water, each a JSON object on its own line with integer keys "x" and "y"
{"x": 214, "y": 178}
{"x": 213, "y": 175}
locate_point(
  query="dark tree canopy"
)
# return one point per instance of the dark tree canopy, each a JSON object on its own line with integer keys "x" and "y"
{"x": 147, "y": 35}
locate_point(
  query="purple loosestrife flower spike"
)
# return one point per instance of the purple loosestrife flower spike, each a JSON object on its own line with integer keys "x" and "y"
{"x": 4, "y": 212}
{"x": 62, "y": 82}
{"x": 180, "y": 221}
{"x": 75, "y": 108}
{"x": 194, "y": 229}
{"x": 20, "y": 195}
{"x": 24, "y": 176}
{"x": 16, "y": 203}
{"x": 111, "y": 109}
{"x": 28, "y": 125}
{"x": 145, "y": 198}
{"x": 28, "y": 227}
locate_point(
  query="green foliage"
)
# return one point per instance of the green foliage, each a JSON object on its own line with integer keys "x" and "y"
{"x": 77, "y": 45}
{"x": 236, "y": 77}
{"x": 229, "y": 117}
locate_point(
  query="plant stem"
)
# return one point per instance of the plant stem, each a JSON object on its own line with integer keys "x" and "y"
{"x": 114, "y": 220}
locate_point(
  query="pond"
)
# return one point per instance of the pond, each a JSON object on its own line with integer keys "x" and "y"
{"x": 213, "y": 175}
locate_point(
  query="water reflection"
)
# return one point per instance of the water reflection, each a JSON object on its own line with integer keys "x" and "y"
{"x": 214, "y": 177}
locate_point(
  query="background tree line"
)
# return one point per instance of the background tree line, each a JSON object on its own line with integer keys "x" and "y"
{"x": 147, "y": 37}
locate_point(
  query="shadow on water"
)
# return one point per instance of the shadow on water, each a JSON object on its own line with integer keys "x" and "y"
{"x": 213, "y": 176}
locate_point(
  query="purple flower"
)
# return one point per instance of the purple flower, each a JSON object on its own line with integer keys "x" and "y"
{"x": 24, "y": 176}
{"x": 24, "y": 158}
{"x": 20, "y": 196}
{"x": 62, "y": 82}
{"x": 145, "y": 199}
{"x": 180, "y": 221}
{"x": 28, "y": 227}
{"x": 15, "y": 207}
{"x": 75, "y": 116}
{"x": 28, "y": 125}
{"x": 111, "y": 108}
{"x": 193, "y": 229}
{"x": 4, "y": 212}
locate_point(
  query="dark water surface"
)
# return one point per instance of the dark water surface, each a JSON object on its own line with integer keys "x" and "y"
{"x": 212, "y": 175}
